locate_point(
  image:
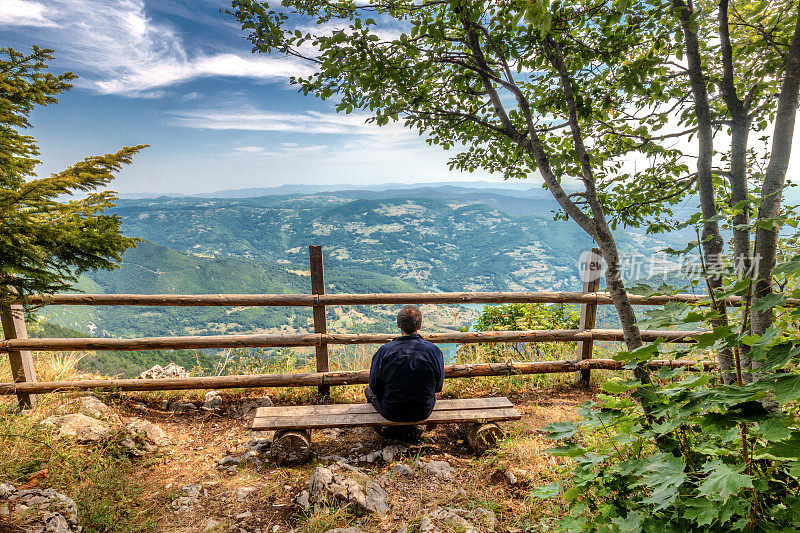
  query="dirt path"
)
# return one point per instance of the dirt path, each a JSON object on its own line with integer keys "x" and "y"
{"x": 200, "y": 438}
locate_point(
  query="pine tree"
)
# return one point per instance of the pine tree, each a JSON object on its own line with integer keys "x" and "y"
{"x": 51, "y": 228}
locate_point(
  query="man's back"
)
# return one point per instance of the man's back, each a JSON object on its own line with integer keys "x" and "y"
{"x": 405, "y": 376}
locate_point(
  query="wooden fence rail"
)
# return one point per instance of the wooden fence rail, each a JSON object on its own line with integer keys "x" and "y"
{"x": 18, "y": 346}
{"x": 310, "y": 300}
{"x": 321, "y": 339}
{"x": 327, "y": 379}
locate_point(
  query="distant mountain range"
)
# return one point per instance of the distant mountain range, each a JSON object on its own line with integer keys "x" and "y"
{"x": 397, "y": 239}
{"x": 489, "y": 186}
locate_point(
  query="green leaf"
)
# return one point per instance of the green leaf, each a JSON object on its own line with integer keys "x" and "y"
{"x": 630, "y": 524}
{"x": 560, "y": 430}
{"x": 545, "y": 492}
{"x": 707, "y": 340}
{"x": 662, "y": 474}
{"x": 618, "y": 386}
{"x": 789, "y": 267}
{"x": 765, "y": 303}
{"x": 701, "y": 510}
{"x": 566, "y": 451}
{"x": 777, "y": 356}
{"x": 773, "y": 430}
{"x": 787, "y": 448}
{"x": 786, "y": 387}
{"x": 723, "y": 481}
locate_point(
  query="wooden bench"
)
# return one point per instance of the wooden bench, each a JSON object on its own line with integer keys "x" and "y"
{"x": 293, "y": 424}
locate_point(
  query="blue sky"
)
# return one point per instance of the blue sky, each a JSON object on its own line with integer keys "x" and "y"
{"x": 180, "y": 76}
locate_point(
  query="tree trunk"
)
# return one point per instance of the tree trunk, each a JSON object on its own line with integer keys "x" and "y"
{"x": 737, "y": 176}
{"x": 711, "y": 239}
{"x": 772, "y": 189}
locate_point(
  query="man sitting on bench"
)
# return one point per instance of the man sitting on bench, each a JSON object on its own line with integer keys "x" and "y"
{"x": 404, "y": 378}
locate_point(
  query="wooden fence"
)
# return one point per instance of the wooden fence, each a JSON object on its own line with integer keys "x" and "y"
{"x": 19, "y": 346}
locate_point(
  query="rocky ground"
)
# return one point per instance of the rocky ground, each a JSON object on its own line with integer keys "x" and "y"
{"x": 204, "y": 470}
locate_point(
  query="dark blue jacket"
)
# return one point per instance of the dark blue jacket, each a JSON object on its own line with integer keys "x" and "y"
{"x": 405, "y": 376}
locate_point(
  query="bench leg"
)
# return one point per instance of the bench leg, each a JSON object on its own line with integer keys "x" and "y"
{"x": 291, "y": 447}
{"x": 482, "y": 437}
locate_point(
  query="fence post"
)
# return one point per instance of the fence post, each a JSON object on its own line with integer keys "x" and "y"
{"x": 591, "y": 283}
{"x": 320, "y": 322}
{"x": 22, "y": 369}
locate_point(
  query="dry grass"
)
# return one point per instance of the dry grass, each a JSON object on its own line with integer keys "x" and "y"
{"x": 117, "y": 494}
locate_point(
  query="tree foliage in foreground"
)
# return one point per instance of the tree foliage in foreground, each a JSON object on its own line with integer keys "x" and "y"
{"x": 516, "y": 87}
{"x": 46, "y": 241}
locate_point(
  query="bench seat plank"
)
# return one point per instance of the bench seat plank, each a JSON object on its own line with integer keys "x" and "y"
{"x": 374, "y": 419}
{"x": 295, "y": 411}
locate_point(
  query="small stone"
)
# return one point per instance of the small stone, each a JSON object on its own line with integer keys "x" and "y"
{"x": 302, "y": 500}
{"x": 6, "y": 490}
{"x": 401, "y": 469}
{"x": 248, "y": 408}
{"x": 181, "y": 407}
{"x": 210, "y": 524}
{"x": 78, "y": 426}
{"x": 170, "y": 371}
{"x": 242, "y": 493}
{"x": 426, "y": 525}
{"x": 328, "y": 486}
{"x": 90, "y": 406}
{"x": 143, "y": 436}
{"x": 259, "y": 445}
{"x": 228, "y": 460}
{"x": 245, "y": 515}
{"x": 440, "y": 469}
{"x": 276, "y": 528}
{"x": 212, "y": 401}
{"x": 485, "y": 517}
{"x": 510, "y": 477}
{"x": 140, "y": 407}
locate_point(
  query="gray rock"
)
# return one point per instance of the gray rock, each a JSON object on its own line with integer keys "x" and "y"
{"x": 142, "y": 437}
{"x": 440, "y": 469}
{"x": 212, "y": 401}
{"x": 89, "y": 406}
{"x": 228, "y": 461}
{"x": 189, "y": 495}
{"x": 401, "y": 469}
{"x": 485, "y": 517}
{"x": 303, "y": 500}
{"x": 259, "y": 444}
{"x": 181, "y": 407}
{"x": 242, "y": 493}
{"x": 426, "y": 525}
{"x": 41, "y": 509}
{"x": 140, "y": 407}
{"x": 328, "y": 486}
{"x": 210, "y": 525}
{"x": 161, "y": 372}
{"x": 454, "y": 517}
{"x": 244, "y": 516}
{"x": 6, "y": 490}
{"x": 387, "y": 454}
{"x": 252, "y": 459}
{"x": 78, "y": 426}
{"x": 248, "y": 408}
{"x": 511, "y": 477}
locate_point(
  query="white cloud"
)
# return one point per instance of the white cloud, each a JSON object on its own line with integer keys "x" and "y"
{"x": 283, "y": 149}
{"x": 23, "y": 13}
{"x": 247, "y": 118}
{"x": 124, "y": 51}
